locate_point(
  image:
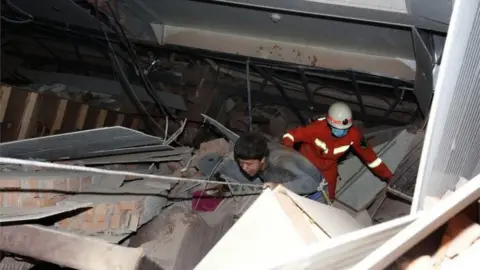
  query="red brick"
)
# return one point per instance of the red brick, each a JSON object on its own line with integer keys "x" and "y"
{"x": 25, "y": 201}
{"x": 130, "y": 205}
{"x": 10, "y": 183}
{"x": 100, "y": 212}
{"x": 73, "y": 184}
{"x": 94, "y": 226}
{"x": 13, "y": 199}
{"x": 89, "y": 215}
{"x": 85, "y": 182}
{"x": 61, "y": 184}
{"x": 64, "y": 224}
{"x": 116, "y": 221}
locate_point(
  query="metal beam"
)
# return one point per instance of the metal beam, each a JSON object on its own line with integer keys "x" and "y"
{"x": 273, "y": 99}
{"x": 424, "y": 56}
{"x": 307, "y": 90}
{"x": 357, "y": 93}
{"x": 268, "y": 76}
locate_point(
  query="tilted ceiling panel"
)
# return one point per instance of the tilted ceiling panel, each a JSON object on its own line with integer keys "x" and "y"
{"x": 452, "y": 141}
{"x": 255, "y": 23}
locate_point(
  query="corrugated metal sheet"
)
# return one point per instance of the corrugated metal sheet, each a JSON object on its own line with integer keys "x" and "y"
{"x": 452, "y": 144}
{"x": 344, "y": 251}
{"x": 75, "y": 145}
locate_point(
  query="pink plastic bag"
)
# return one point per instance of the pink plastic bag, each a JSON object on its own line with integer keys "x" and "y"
{"x": 205, "y": 203}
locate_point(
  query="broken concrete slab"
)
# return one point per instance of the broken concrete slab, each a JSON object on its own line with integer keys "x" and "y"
{"x": 359, "y": 190}
{"x": 178, "y": 239}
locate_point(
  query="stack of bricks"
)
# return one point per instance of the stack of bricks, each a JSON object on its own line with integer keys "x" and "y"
{"x": 114, "y": 214}
{"x": 39, "y": 188}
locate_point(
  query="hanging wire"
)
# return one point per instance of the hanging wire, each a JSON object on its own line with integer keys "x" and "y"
{"x": 42, "y": 164}
{"x": 249, "y": 95}
{"x": 19, "y": 10}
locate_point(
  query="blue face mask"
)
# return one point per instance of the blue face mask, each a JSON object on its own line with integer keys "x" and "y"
{"x": 339, "y": 133}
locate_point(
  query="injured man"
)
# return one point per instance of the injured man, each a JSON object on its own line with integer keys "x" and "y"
{"x": 255, "y": 161}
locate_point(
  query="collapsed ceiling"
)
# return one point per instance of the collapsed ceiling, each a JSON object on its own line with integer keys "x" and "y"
{"x": 298, "y": 55}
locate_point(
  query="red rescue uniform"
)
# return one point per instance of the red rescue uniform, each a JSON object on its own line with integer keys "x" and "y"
{"x": 323, "y": 149}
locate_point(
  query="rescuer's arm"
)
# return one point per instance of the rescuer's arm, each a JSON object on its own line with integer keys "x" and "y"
{"x": 299, "y": 134}
{"x": 366, "y": 153}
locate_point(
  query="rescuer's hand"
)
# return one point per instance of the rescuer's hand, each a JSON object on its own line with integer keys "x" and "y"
{"x": 270, "y": 185}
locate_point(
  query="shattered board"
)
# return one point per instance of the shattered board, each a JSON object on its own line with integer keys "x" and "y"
{"x": 363, "y": 186}
{"x": 75, "y": 145}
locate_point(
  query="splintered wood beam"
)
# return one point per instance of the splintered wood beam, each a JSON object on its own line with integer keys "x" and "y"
{"x": 120, "y": 119}
{"x": 70, "y": 250}
{"x": 5, "y": 92}
{"x": 102, "y": 115}
{"x": 57, "y": 123}
{"x": 81, "y": 116}
{"x": 27, "y": 123}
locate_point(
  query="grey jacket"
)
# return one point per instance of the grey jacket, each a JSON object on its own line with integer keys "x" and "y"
{"x": 284, "y": 166}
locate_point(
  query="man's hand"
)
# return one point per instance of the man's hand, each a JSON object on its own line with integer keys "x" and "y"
{"x": 270, "y": 185}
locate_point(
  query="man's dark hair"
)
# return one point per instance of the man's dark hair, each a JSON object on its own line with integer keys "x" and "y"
{"x": 251, "y": 145}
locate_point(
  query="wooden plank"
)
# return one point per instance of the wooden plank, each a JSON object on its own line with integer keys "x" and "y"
{"x": 5, "y": 92}
{"x": 12, "y": 117}
{"x": 120, "y": 119}
{"x": 57, "y": 123}
{"x": 28, "y": 118}
{"x": 102, "y": 116}
{"x": 81, "y": 117}
{"x": 110, "y": 119}
{"x": 47, "y": 112}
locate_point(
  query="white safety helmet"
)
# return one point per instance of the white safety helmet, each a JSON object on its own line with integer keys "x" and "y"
{"x": 339, "y": 116}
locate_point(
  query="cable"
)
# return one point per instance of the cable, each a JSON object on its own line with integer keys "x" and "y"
{"x": 42, "y": 164}
{"x": 127, "y": 85}
{"x": 148, "y": 87}
{"x": 249, "y": 95}
{"x": 19, "y": 10}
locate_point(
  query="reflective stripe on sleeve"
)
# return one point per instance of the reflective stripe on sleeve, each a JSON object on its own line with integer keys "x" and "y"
{"x": 290, "y": 136}
{"x": 321, "y": 118}
{"x": 341, "y": 149}
{"x": 375, "y": 163}
{"x": 322, "y": 145}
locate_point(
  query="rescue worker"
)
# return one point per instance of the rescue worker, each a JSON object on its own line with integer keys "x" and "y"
{"x": 255, "y": 161}
{"x": 324, "y": 141}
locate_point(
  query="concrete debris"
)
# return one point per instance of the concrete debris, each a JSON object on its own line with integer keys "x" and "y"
{"x": 178, "y": 239}
{"x": 219, "y": 146}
